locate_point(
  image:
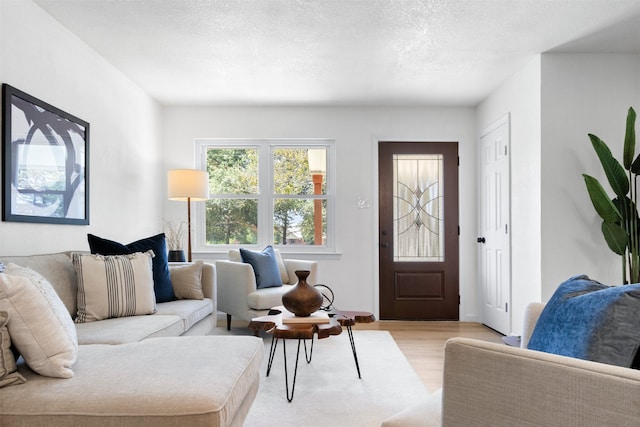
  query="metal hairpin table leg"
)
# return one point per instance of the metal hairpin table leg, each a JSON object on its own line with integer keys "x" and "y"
{"x": 353, "y": 348}
{"x": 272, "y": 352}
{"x": 310, "y": 355}
{"x": 295, "y": 371}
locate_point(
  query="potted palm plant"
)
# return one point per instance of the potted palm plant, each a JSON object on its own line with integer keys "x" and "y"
{"x": 620, "y": 223}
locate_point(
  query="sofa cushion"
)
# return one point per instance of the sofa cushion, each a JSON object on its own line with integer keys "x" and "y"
{"x": 9, "y": 374}
{"x": 190, "y": 311}
{"x": 121, "y": 330}
{"x": 57, "y": 269}
{"x": 588, "y": 320}
{"x": 265, "y": 267}
{"x": 187, "y": 381}
{"x": 187, "y": 281}
{"x": 40, "y": 326}
{"x": 267, "y": 298}
{"x": 114, "y": 286}
{"x": 161, "y": 277}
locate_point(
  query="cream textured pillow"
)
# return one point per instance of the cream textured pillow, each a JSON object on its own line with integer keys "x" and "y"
{"x": 8, "y": 368}
{"x": 283, "y": 270}
{"x": 187, "y": 281}
{"x": 114, "y": 286}
{"x": 40, "y": 326}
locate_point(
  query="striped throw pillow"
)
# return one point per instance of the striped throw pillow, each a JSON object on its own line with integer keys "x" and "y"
{"x": 114, "y": 286}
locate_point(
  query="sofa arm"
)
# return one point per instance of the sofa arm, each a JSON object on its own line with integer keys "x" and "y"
{"x": 236, "y": 281}
{"x": 298, "y": 264}
{"x": 489, "y": 384}
{"x": 209, "y": 285}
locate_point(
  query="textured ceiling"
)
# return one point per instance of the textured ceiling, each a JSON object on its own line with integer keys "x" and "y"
{"x": 338, "y": 52}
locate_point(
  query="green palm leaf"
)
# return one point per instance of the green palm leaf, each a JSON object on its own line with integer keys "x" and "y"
{"x": 630, "y": 139}
{"x": 600, "y": 199}
{"x": 614, "y": 171}
{"x": 615, "y": 236}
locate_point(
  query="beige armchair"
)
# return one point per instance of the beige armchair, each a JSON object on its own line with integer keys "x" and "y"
{"x": 490, "y": 384}
{"x": 238, "y": 295}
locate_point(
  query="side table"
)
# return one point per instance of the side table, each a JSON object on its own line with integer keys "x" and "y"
{"x": 273, "y": 324}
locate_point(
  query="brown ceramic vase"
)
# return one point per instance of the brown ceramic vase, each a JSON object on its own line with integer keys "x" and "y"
{"x": 303, "y": 299}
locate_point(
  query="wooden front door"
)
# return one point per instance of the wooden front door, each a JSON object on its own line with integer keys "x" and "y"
{"x": 418, "y": 230}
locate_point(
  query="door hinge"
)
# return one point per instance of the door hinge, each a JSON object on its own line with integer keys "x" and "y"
{"x": 458, "y": 230}
{"x": 506, "y": 229}
{"x": 458, "y": 160}
{"x": 458, "y": 299}
{"x": 506, "y": 307}
{"x": 505, "y": 150}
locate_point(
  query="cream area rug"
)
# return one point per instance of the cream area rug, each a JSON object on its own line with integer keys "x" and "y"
{"x": 328, "y": 391}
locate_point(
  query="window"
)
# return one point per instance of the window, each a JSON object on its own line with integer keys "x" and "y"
{"x": 267, "y": 192}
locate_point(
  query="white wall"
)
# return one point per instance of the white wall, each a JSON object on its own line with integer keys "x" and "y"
{"x": 554, "y": 102}
{"x": 520, "y": 98}
{"x": 42, "y": 58}
{"x": 353, "y": 275}
{"x": 581, "y": 94}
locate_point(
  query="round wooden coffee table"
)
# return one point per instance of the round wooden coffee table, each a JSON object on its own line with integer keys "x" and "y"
{"x": 284, "y": 325}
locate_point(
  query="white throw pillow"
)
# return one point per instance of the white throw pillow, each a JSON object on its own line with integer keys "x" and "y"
{"x": 39, "y": 324}
{"x": 114, "y": 285}
{"x": 283, "y": 270}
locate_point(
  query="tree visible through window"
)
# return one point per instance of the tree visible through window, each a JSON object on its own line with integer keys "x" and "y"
{"x": 232, "y": 218}
{"x": 271, "y": 193}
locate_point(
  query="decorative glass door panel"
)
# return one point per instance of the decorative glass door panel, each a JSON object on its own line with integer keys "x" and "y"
{"x": 418, "y": 208}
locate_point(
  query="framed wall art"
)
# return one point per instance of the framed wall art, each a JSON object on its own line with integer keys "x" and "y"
{"x": 45, "y": 155}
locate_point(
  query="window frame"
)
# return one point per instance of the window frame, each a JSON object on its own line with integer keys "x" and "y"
{"x": 266, "y": 196}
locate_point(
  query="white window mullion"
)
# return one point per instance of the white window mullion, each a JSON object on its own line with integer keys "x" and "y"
{"x": 331, "y": 195}
{"x": 199, "y": 218}
{"x": 265, "y": 199}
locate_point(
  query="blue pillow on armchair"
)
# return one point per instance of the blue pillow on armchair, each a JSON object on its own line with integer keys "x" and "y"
{"x": 591, "y": 321}
{"x": 265, "y": 267}
{"x": 162, "y": 285}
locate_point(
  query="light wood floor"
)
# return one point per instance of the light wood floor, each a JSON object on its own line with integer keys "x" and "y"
{"x": 423, "y": 343}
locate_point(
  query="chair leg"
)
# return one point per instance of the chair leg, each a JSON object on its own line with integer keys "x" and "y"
{"x": 228, "y": 322}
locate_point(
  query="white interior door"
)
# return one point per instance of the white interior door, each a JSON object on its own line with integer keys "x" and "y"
{"x": 493, "y": 241}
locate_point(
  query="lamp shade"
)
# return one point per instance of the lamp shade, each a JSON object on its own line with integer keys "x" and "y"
{"x": 317, "y": 160}
{"x": 188, "y": 183}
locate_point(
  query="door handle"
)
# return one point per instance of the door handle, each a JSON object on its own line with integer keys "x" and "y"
{"x": 482, "y": 240}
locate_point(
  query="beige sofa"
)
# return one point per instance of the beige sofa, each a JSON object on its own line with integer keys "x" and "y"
{"x": 158, "y": 369}
{"x": 489, "y": 384}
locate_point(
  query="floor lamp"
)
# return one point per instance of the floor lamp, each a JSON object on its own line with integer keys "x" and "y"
{"x": 188, "y": 185}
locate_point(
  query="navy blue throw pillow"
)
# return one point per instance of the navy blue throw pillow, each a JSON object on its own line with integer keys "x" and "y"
{"x": 265, "y": 267}
{"x": 161, "y": 279}
{"x": 591, "y": 321}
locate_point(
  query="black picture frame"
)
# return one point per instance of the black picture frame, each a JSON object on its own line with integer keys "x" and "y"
{"x": 45, "y": 158}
